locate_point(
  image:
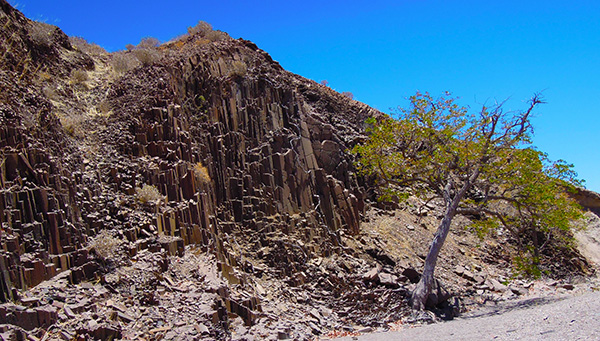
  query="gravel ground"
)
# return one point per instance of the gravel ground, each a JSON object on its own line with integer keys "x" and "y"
{"x": 550, "y": 318}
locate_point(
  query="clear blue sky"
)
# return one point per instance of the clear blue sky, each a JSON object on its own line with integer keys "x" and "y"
{"x": 384, "y": 51}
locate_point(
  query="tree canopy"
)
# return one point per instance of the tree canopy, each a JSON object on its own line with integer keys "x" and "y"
{"x": 480, "y": 164}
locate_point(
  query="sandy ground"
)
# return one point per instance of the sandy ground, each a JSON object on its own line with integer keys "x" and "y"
{"x": 550, "y": 318}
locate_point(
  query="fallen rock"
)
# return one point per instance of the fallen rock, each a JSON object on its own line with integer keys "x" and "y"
{"x": 495, "y": 285}
{"x": 518, "y": 290}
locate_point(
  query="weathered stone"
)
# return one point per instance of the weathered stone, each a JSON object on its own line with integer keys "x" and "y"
{"x": 497, "y": 286}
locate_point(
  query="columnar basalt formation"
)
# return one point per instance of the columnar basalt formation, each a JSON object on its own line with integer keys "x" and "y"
{"x": 273, "y": 145}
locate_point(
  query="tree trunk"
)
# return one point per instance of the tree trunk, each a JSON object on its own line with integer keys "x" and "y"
{"x": 423, "y": 289}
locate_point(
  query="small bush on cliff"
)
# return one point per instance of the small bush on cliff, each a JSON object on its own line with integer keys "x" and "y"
{"x": 238, "y": 69}
{"x": 148, "y": 43}
{"x": 201, "y": 173}
{"x": 84, "y": 46}
{"x": 205, "y": 30}
{"x": 148, "y": 194}
{"x": 79, "y": 77}
{"x": 41, "y": 33}
{"x": 201, "y": 28}
{"x": 122, "y": 62}
{"x": 147, "y": 56}
{"x": 348, "y": 94}
{"x": 105, "y": 245}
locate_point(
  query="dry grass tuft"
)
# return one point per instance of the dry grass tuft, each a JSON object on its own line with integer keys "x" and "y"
{"x": 84, "y": 46}
{"x": 41, "y": 33}
{"x": 73, "y": 125}
{"x": 105, "y": 244}
{"x": 79, "y": 77}
{"x": 205, "y": 30}
{"x": 148, "y": 194}
{"x": 201, "y": 173}
{"x": 147, "y": 56}
{"x": 122, "y": 62}
{"x": 238, "y": 69}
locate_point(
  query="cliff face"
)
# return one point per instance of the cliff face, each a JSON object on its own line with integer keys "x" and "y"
{"x": 241, "y": 151}
{"x": 198, "y": 183}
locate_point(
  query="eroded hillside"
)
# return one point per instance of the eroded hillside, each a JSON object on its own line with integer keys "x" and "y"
{"x": 196, "y": 190}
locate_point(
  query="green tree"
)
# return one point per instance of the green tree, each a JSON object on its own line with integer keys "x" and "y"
{"x": 479, "y": 164}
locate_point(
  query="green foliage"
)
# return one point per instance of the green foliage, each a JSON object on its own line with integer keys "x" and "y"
{"x": 481, "y": 164}
{"x": 526, "y": 264}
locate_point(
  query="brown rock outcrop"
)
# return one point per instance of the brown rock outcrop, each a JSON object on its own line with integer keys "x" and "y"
{"x": 273, "y": 146}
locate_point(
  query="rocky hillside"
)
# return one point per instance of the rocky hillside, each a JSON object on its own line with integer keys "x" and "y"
{"x": 194, "y": 190}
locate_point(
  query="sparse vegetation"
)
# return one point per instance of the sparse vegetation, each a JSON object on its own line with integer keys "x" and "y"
{"x": 147, "y": 56}
{"x": 148, "y": 43}
{"x": 72, "y": 124}
{"x": 79, "y": 76}
{"x": 148, "y": 194}
{"x": 41, "y": 33}
{"x": 348, "y": 94}
{"x": 238, "y": 69}
{"x": 122, "y": 62}
{"x": 105, "y": 245}
{"x": 480, "y": 165}
{"x": 201, "y": 173}
{"x": 84, "y": 46}
{"x": 205, "y": 30}
{"x": 201, "y": 28}
{"x": 50, "y": 93}
{"x": 104, "y": 107}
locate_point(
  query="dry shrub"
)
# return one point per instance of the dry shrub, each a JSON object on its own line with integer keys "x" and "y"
{"x": 104, "y": 107}
{"x": 79, "y": 76}
{"x": 348, "y": 94}
{"x": 148, "y": 43}
{"x": 50, "y": 93}
{"x": 201, "y": 173}
{"x": 148, "y": 194}
{"x": 216, "y": 36}
{"x": 238, "y": 69}
{"x": 84, "y": 46}
{"x": 73, "y": 125}
{"x": 201, "y": 28}
{"x": 44, "y": 76}
{"x": 205, "y": 30}
{"x": 123, "y": 62}
{"x": 105, "y": 244}
{"x": 41, "y": 33}
{"x": 147, "y": 56}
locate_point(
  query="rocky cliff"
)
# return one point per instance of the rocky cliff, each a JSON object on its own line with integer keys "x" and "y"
{"x": 254, "y": 154}
{"x": 200, "y": 170}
